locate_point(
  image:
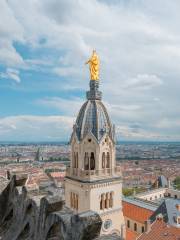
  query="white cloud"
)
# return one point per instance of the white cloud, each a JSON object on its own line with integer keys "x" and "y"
{"x": 137, "y": 41}
{"x": 68, "y": 107}
{"x": 12, "y": 74}
{"x": 127, "y": 132}
{"x": 10, "y": 30}
{"x": 27, "y": 127}
{"x": 143, "y": 82}
{"x": 66, "y": 71}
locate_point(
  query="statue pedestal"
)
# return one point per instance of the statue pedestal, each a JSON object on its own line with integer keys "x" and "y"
{"x": 94, "y": 93}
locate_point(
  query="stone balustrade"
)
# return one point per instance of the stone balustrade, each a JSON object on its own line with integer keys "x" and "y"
{"x": 93, "y": 174}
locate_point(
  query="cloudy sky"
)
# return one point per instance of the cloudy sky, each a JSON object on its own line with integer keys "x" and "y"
{"x": 43, "y": 78}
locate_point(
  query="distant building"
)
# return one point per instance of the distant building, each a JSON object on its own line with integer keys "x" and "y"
{"x": 136, "y": 213}
{"x": 157, "y": 210}
{"x": 159, "y": 230}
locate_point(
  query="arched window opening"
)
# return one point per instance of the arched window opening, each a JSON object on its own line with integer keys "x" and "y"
{"x": 74, "y": 160}
{"x": 107, "y": 201}
{"x": 77, "y": 160}
{"x": 74, "y": 200}
{"x": 103, "y": 201}
{"x": 101, "y": 206}
{"x": 71, "y": 200}
{"x": 86, "y": 161}
{"x": 103, "y": 160}
{"x": 135, "y": 227}
{"x": 92, "y": 161}
{"x": 108, "y": 160}
{"x": 111, "y": 200}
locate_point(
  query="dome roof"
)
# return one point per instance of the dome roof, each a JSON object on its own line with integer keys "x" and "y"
{"x": 93, "y": 117}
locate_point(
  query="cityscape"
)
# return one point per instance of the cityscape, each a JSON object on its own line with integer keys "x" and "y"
{"x": 141, "y": 163}
{"x": 89, "y": 120}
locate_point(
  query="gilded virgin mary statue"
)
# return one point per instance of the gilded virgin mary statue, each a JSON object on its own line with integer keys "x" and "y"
{"x": 94, "y": 66}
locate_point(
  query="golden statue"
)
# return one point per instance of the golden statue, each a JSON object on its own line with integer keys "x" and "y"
{"x": 94, "y": 66}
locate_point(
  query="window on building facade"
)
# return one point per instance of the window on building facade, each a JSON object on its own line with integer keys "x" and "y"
{"x": 103, "y": 160}
{"x": 77, "y": 160}
{"x": 142, "y": 229}
{"x": 74, "y": 160}
{"x": 128, "y": 223}
{"x": 74, "y": 200}
{"x": 111, "y": 200}
{"x": 86, "y": 161}
{"x": 106, "y": 200}
{"x": 102, "y": 202}
{"x": 135, "y": 226}
{"x": 108, "y": 160}
{"x": 92, "y": 161}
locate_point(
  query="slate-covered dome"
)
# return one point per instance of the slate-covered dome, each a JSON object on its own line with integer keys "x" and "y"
{"x": 93, "y": 116}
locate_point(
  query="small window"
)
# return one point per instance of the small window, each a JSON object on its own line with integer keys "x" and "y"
{"x": 135, "y": 227}
{"x": 142, "y": 229}
{"x": 108, "y": 160}
{"x": 128, "y": 223}
{"x": 89, "y": 140}
{"x": 103, "y": 160}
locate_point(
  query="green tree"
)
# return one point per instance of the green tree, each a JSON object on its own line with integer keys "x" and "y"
{"x": 177, "y": 182}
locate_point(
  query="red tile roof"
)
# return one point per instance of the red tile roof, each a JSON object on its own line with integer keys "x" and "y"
{"x": 161, "y": 231}
{"x": 136, "y": 213}
{"x": 130, "y": 235}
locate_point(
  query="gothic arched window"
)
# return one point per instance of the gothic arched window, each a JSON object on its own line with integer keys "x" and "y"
{"x": 107, "y": 201}
{"x": 74, "y": 160}
{"x": 111, "y": 200}
{"x": 108, "y": 160}
{"x": 103, "y": 160}
{"x": 86, "y": 161}
{"x": 92, "y": 161}
{"x": 77, "y": 160}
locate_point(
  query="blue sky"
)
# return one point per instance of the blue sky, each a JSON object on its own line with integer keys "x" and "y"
{"x": 44, "y": 45}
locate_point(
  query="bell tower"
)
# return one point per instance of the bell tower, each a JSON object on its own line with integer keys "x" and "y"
{"x": 93, "y": 181}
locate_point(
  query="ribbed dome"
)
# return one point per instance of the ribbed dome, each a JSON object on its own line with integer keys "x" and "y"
{"x": 93, "y": 117}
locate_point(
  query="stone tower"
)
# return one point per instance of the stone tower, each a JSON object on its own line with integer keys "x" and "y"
{"x": 93, "y": 181}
